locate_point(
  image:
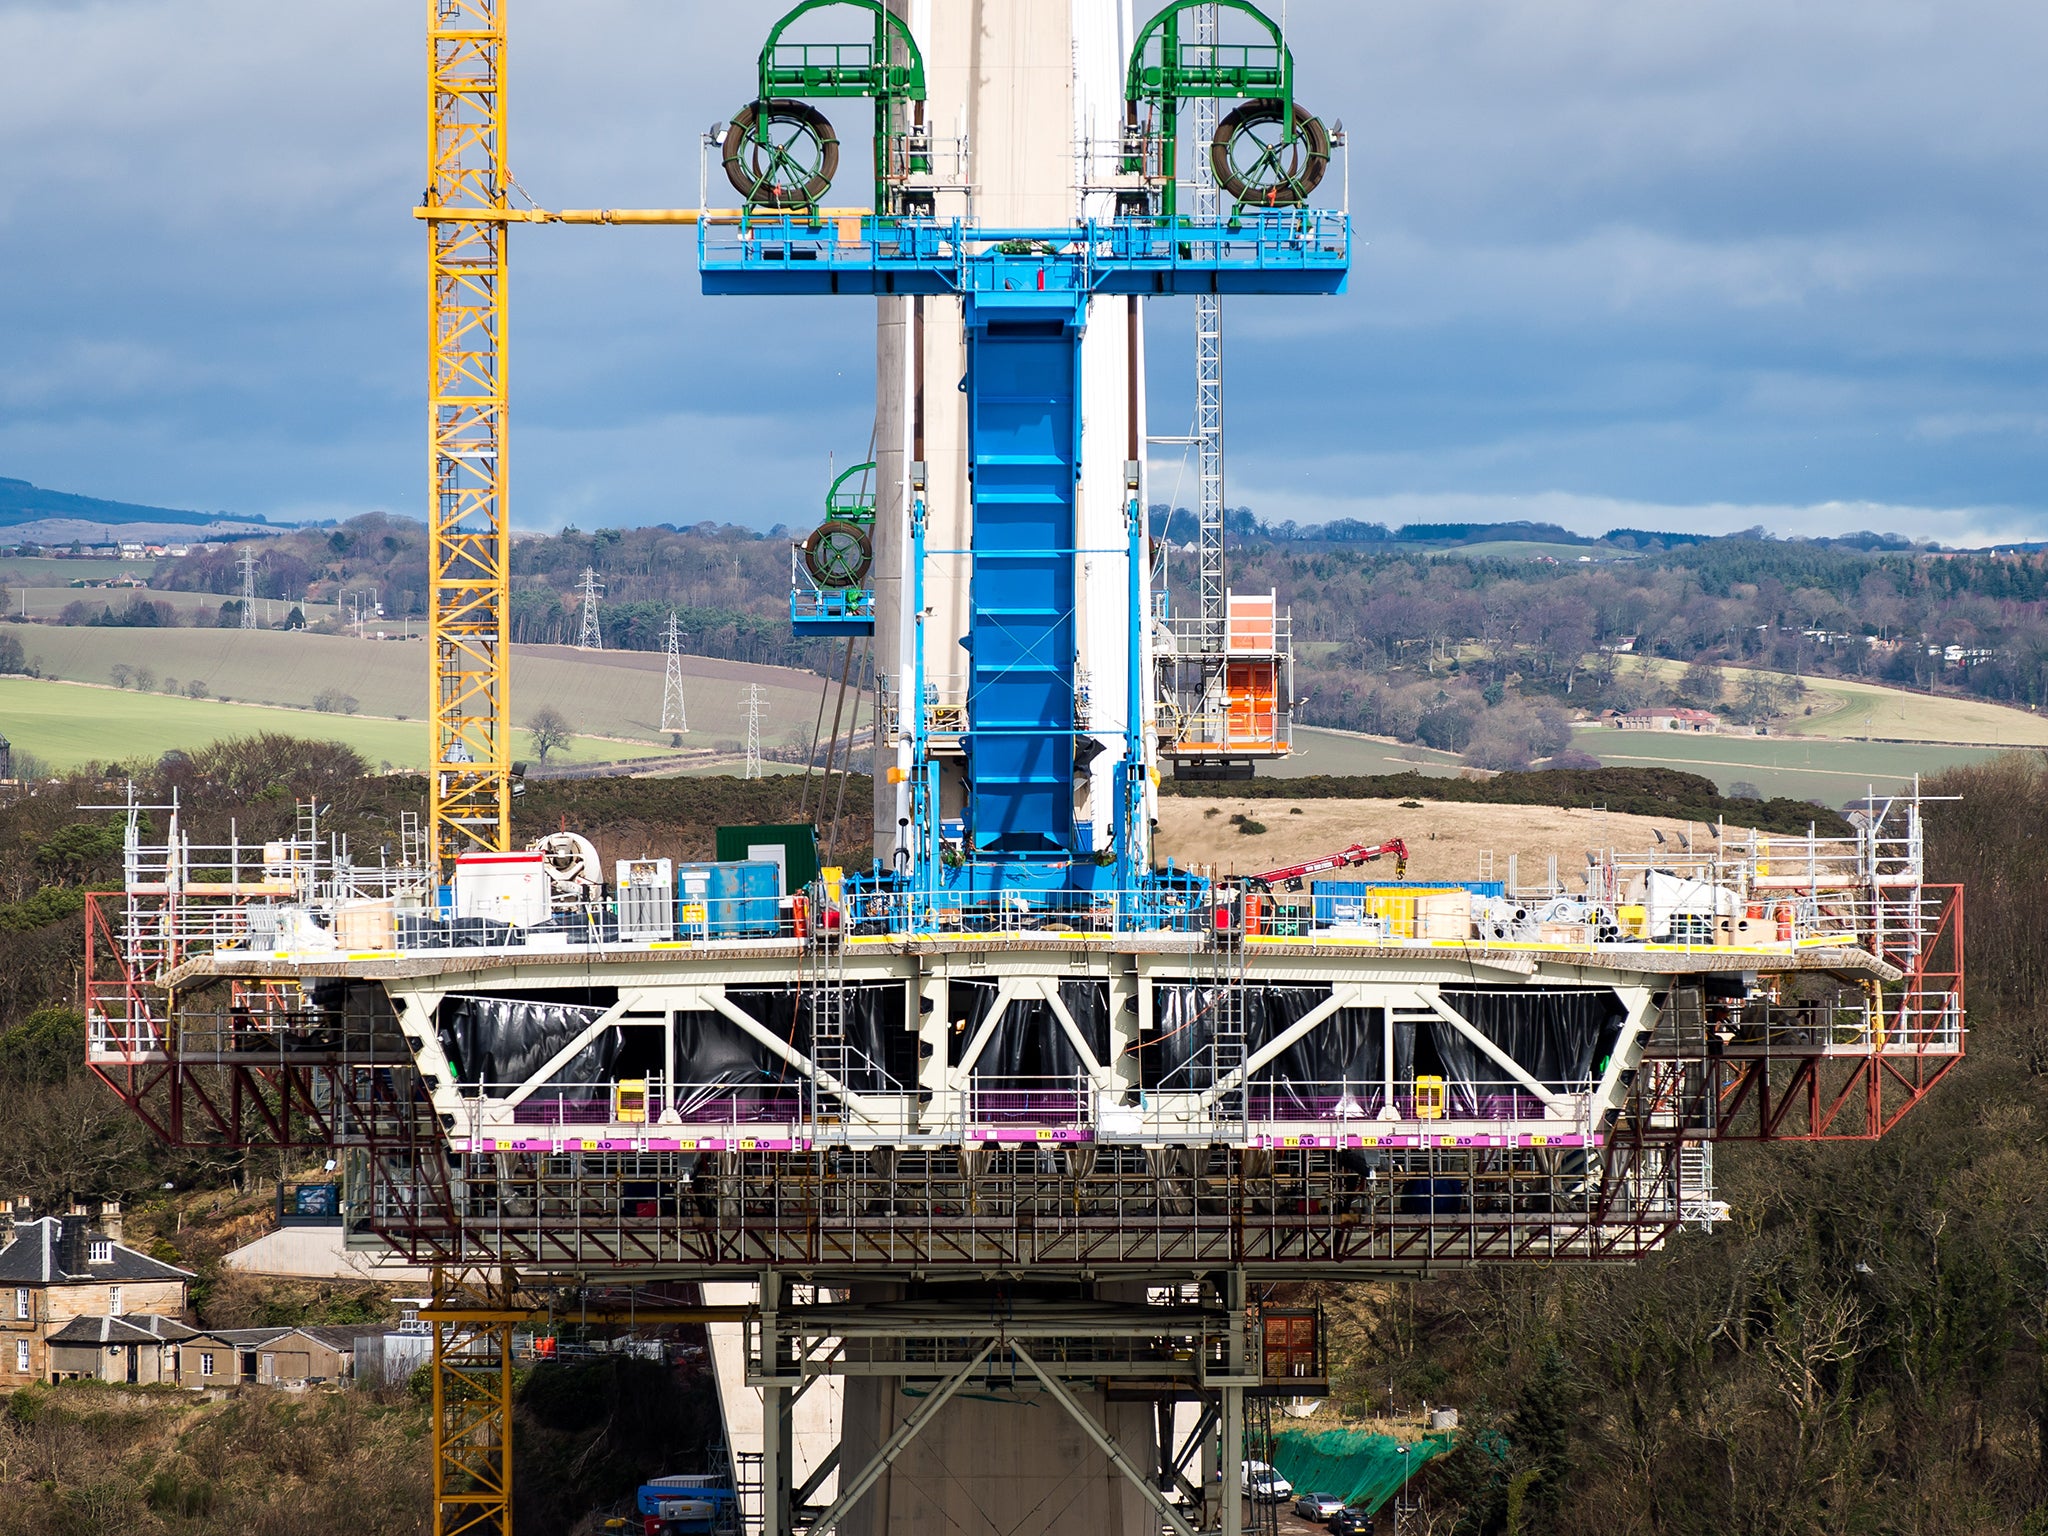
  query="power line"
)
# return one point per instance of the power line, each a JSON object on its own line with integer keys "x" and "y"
{"x": 673, "y": 717}
{"x": 592, "y": 638}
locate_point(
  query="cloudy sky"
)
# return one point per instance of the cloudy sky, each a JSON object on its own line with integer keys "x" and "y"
{"x": 1687, "y": 265}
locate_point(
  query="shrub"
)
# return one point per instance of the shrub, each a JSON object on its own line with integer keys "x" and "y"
{"x": 332, "y": 701}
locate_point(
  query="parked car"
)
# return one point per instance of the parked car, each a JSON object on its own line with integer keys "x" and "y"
{"x": 1263, "y": 1484}
{"x": 1351, "y": 1522}
{"x": 1318, "y": 1506}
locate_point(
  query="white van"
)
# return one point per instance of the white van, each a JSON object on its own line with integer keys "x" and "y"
{"x": 1263, "y": 1484}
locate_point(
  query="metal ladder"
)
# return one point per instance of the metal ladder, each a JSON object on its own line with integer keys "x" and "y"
{"x": 1227, "y": 1048}
{"x": 1696, "y": 1183}
{"x": 825, "y": 974}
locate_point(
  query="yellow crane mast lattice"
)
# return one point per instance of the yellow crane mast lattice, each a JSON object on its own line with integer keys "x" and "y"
{"x": 469, "y": 547}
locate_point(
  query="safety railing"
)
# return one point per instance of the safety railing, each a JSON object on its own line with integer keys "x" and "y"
{"x": 997, "y": 1100}
{"x": 1082, "y": 1206}
{"x": 1273, "y": 1105}
{"x": 1021, "y": 913}
{"x": 634, "y": 1102}
{"x": 812, "y": 607}
{"x": 1279, "y": 250}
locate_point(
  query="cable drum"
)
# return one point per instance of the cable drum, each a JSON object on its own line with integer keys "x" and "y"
{"x": 1257, "y": 164}
{"x": 780, "y": 154}
{"x": 838, "y": 554}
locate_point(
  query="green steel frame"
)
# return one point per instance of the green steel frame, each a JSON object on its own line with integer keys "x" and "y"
{"x": 886, "y": 68}
{"x": 1168, "y": 69}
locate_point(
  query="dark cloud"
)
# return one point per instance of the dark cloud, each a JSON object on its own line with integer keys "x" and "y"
{"x": 1747, "y": 261}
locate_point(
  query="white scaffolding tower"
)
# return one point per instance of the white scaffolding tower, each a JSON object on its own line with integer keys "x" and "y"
{"x": 1209, "y": 363}
{"x": 674, "y": 718}
{"x": 592, "y": 638}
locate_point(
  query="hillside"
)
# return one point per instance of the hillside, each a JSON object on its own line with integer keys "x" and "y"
{"x": 23, "y": 503}
{"x": 611, "y": 694}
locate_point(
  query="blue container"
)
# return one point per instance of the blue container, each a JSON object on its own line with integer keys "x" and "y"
{"x": 740, "y": 899}
{"x": 756, "y": 908}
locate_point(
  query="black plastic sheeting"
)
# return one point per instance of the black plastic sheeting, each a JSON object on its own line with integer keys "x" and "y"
{"x": 1340, "y": 1062}
{"x": 1343, "y": 1059}
{"x": 881, "y": 1054}
{"x": 1558, "y": 1038}
{"x": 503, "y": 1041}
{"x": 1029, "y": 1045}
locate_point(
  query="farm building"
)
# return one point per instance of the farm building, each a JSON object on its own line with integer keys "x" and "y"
{"x": 1668, "y": 719}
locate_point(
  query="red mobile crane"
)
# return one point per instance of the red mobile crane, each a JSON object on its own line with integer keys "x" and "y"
{"x": 1357, "y": 853}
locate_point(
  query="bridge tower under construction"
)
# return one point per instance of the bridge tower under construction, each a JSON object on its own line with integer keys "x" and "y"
{"x": 992, "y": 1161}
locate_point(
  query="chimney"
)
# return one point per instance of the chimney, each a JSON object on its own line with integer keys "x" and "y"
{"x": 71, "y": 1241}
{"x": 110, "y": 1219}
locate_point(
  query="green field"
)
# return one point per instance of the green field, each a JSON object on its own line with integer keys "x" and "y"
{"x": 608, "y": 693}
{"x": 66, "y": 724}
{"x": 1803, "y": 768}
{"x": 1844, "y": 709}
{"x": 1318, "y": 752}
{"x": 46, "y": 602}
{"x": 42, "y": 570}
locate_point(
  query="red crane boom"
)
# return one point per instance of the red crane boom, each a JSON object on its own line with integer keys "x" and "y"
{"x": 1357, "y": 853}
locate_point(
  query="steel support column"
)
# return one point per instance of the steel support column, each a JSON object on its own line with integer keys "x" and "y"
{"x": 1104, "y": 1442}
{"x": 894, "y": 1446}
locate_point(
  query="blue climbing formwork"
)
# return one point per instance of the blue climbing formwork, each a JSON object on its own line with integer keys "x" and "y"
{"x": 1025, "y": 296}
{"x": 1024, "y": 435}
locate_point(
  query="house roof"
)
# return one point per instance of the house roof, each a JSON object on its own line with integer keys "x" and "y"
{"x": 343, "y": 1336}
{"x": 242, "y": 1337}
{"x": 36, "y": 1257}
{"x": 118, "y": 1330}
{"x": 169, "y": 1329}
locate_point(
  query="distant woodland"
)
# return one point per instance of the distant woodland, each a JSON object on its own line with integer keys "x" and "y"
{"x": 1479, "y": 641}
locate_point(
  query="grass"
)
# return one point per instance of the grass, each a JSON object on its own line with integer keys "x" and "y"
{"x": 15, "y": 569}
{"x": 1803, "y": 767}
{"x": 610, "y": 693}
{"x": 1318, "y": 752}
{"x": 46, "y": 602}
{"x": 1846, "y": 709}
{"x": 66, "y": 724}
{"x": 1527, "y": 549}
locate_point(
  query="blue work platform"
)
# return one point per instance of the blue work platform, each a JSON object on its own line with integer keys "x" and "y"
{"x": 1302, "y": 250}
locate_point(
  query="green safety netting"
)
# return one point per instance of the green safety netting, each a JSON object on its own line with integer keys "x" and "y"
{"x": 1357, "y": 1466}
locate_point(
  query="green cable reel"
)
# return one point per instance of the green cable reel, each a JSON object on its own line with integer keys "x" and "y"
{"x": 780, "y": 154}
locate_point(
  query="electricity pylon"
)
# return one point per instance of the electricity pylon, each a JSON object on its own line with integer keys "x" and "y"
{"x": 753, "y": 730}
{"x": 673, "y": 716}
{"x": 248, "y": 587}
{"x": 592, "y": 638}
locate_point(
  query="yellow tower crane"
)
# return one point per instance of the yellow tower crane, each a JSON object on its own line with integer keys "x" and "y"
{"x": 469, "y": 543}
{"x": 469, "y": 550}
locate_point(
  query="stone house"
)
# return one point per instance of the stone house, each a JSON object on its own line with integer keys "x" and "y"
{"x": 60, "y": 1270}
{"x": 272, "y": 1357}
{"x": 139, "y": 1350}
